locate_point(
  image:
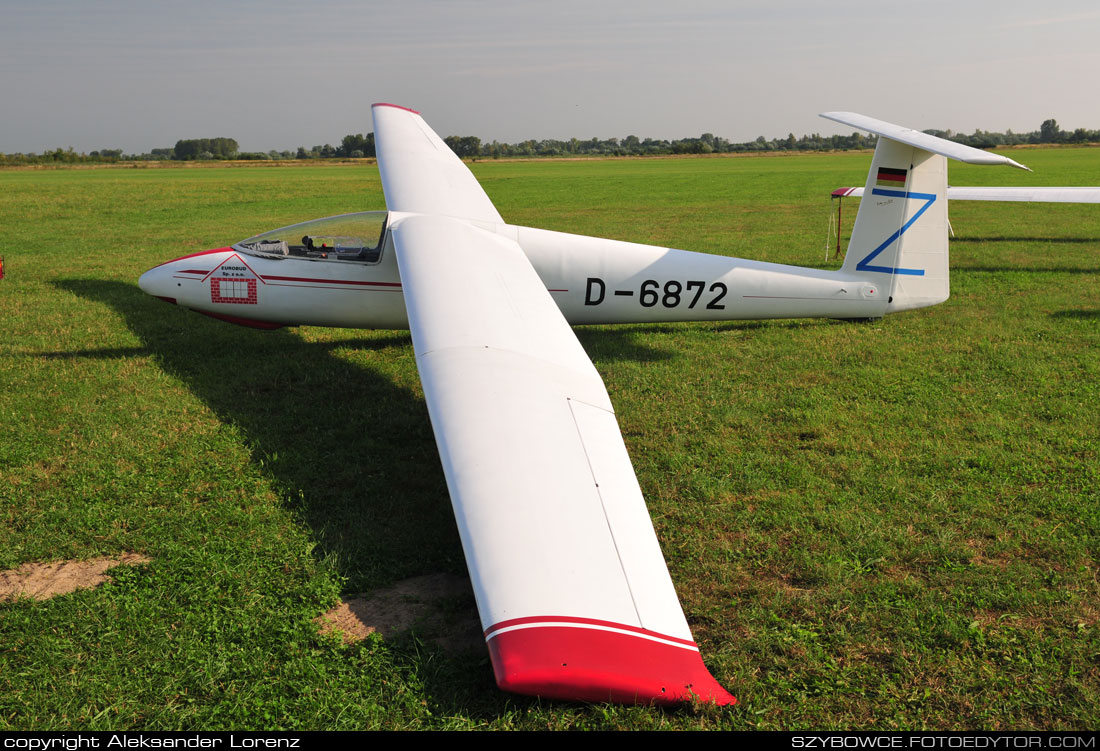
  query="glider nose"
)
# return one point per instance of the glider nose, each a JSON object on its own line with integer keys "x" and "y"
{"x": 158, "y": 283}
{"x": 163, "y": 281}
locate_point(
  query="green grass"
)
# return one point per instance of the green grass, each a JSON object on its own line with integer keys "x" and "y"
{"x": 893, "y": 525}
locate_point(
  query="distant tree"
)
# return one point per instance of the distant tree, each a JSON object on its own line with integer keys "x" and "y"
{"x": 194, "y": 148}
{"x": 357, "y": 142}
{"x": 62, "y": 155}
{"x": 224, "y": 148}
{"x": 352, "y": 143}
{"x": 464, "y": 146}
{"x": 1049, "y": 132}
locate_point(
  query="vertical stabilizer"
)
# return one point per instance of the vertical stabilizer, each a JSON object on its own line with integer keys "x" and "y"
{"x": 900, "y": 235}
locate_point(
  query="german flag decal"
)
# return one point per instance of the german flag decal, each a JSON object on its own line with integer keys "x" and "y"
{"x": 889, "y": 177}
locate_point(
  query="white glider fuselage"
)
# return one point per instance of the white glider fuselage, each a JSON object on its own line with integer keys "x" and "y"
{"x": 592, "y": 280}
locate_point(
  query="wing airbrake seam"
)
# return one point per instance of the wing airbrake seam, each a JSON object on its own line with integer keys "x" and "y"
{"x": 603, "y": 506}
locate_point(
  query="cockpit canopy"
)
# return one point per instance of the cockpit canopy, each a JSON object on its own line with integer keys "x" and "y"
{"x": 347, "y": 237}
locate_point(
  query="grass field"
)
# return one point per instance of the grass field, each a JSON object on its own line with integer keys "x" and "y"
{"x": 888, "y": 525}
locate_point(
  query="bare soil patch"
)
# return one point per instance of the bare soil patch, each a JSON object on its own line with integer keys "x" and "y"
{"x": 439, "y": 606}
{"x": 41, "y": 581}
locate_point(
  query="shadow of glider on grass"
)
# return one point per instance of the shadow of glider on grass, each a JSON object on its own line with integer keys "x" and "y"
{"x": 574, "y": 596}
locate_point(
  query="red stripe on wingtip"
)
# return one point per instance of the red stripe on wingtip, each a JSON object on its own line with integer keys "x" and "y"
{"x": 395, "y": 106}
{"x": 590, "y": 664}
{"x": 541, "y": 621}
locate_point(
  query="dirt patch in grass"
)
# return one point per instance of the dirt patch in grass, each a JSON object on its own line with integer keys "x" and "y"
{"x": 439, "y": 606}
{"x": 41, "y": 581}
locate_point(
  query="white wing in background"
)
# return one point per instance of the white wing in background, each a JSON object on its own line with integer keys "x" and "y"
{"x": 1036, "y": 195}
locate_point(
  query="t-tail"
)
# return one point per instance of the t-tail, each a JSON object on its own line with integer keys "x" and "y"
{"x": 899, "y": 240}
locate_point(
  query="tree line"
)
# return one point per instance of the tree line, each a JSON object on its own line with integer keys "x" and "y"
{"x": 360, "y": 146}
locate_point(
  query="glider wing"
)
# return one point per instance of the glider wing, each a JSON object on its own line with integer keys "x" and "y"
{"x": 574, "y": 596}
{"x": 420, "y": 173}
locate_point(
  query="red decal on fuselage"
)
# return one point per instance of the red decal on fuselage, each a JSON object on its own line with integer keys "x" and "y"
{"x": 235, "y": 291}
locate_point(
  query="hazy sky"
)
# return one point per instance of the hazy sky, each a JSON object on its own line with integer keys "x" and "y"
{"x": 143, "y": 73}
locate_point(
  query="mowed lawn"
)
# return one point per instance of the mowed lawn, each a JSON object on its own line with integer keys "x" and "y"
{"x": 884, "y": 525}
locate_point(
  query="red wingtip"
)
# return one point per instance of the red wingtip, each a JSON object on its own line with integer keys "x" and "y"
{"x": 395, "y": 106}
{"x": 584, "y": 662}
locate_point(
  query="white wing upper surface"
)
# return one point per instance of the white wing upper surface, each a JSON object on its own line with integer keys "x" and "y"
{"x": 420, "y": 174}
{"x": 503, "y": 376}
{"x": 571, "y": 585}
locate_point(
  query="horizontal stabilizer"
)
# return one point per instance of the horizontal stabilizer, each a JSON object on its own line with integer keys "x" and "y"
{"x": 1033, "y": 195}
{"x": 920, "y": 140}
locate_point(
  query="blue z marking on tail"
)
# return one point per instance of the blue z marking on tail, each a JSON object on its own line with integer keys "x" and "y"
{"x": 864, "y": 265}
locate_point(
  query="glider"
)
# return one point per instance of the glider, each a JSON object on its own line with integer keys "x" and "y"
{"x": 574, "y": 595}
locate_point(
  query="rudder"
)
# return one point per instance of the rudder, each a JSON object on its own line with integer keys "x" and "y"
{"x": 899, "y": 239}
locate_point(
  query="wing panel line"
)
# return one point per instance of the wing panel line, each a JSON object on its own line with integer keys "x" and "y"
{"x": 603, "y": 507}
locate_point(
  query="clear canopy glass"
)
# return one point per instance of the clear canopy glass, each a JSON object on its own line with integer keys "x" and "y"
{"x": 347, "y": 237}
